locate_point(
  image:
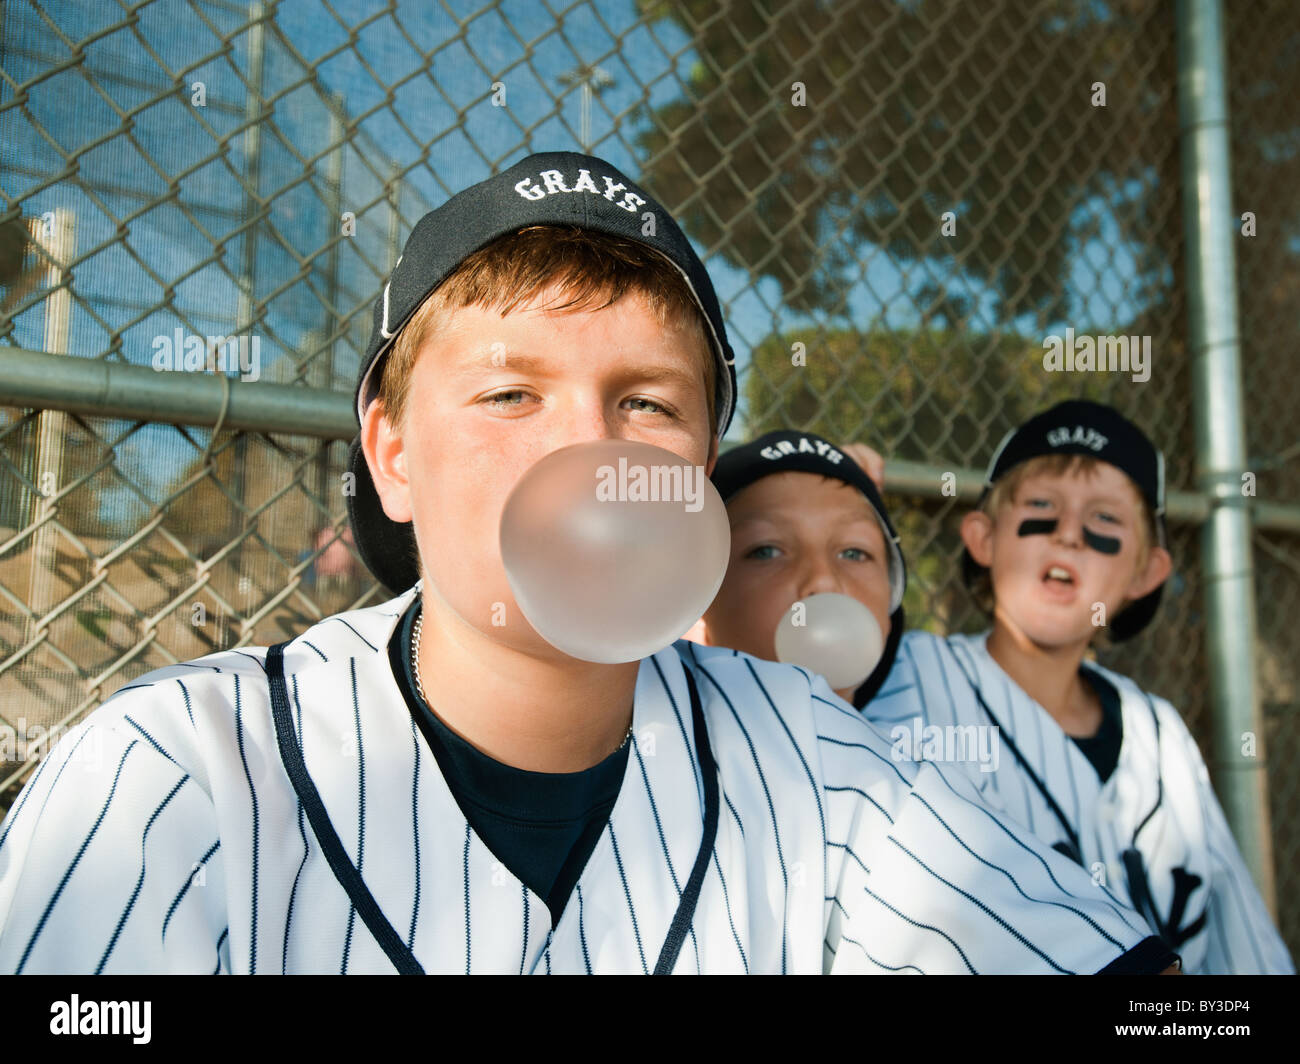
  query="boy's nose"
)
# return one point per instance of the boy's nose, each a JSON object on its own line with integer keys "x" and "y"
{"x": 1069, "y": 530}
{"x": 586, "y": 419}
{"x": 818, "y": 577}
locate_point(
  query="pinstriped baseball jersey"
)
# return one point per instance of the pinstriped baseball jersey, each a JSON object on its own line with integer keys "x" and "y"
{"x": 1183, "y": 871}
{"x": 163, "y": 834}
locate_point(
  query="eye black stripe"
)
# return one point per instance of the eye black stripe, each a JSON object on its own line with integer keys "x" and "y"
{"x": 1037, "y": 526}
{"x": 1101, "y": 544}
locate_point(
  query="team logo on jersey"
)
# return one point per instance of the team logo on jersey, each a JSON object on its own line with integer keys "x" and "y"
{"x": 553, "y": 183}
{"x": 1171, "y": 929}
{"x": 1085, "y": 437}
{"x": 783, "y": 448}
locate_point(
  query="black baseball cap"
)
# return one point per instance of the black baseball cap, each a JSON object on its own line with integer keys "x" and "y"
{"x": 1095, "y": 430}
{"x": 789, "y": 451}
{"x": 551, "y": 188}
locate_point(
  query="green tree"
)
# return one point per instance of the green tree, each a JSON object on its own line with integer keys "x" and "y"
{"x": 913, "y": 110}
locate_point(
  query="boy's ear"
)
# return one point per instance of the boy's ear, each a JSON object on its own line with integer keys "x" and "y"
{"x": 1156, "y": 572}
{"x": 386, "y": 455}
{"x": 977, "y": 534}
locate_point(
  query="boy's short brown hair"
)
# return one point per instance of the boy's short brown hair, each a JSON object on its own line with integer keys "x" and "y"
{"x": 593, "y": 270}
{"x": 1004, "y": 491}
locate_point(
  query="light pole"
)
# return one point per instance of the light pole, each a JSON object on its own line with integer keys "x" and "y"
{"x": 591, "y": 80}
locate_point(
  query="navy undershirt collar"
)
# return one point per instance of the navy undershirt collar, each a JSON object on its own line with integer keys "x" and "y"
{"x": 542, "y": 826}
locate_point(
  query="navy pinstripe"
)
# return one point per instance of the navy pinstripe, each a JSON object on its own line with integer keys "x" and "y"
{"x": 767, "y": 793}
{"x": 151, "y": 741}
{"x": 874, "y": 753}
{"x": 980, "y": 905}
{"x": 189, "y": 711}
{"x": 812, "y": 782}
{"x": 989, "y": 864}
{"x": 663, "y": 843}
{"x": 582, "y": 935}
{"x": 924, "y": 927}
{"x": 361, "y": 813}
{"x": 349, "y": 627}
{"x": 628, "y": 895}
{"x": 144, "y": 841}
{"x": 252, "y": 794}
{"x": 681, "y": 725}
{"x": 30, "y": 789}
{"x": 40, "y": 926}
{"x": 415, "y": 835}
{"x": 734, "y": 815}
{"x": 849, "y": 850}
{"x": 302, "y": 831}
{"x": 726, "y": 901}
{"x": 523, "y": 953}
{"x": 189, "y": 881}
{"x": 1048, "y": 868}
{"x": 858, "y": 791}
{"x": 880, "y": 964}
{"x": 468, "y": 936}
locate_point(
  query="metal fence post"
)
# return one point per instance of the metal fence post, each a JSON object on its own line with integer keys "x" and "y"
{"x": 1218, "y": 409}
{"x": 55, "y": 234}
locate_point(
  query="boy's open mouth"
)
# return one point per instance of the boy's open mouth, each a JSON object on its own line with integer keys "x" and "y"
{"x": 1059, "y": 574}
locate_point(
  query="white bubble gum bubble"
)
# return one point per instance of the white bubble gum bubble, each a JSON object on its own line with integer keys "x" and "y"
{"x": 613, "y": 548}
{"x": 838, "y": 638}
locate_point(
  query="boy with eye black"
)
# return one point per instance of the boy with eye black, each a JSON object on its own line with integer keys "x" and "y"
{"x": 1068, "y": 537}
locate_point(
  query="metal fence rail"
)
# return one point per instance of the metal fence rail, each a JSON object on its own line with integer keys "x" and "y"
{"x": 918, "y": 193}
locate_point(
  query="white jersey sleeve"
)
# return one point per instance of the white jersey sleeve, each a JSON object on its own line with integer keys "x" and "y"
{"x": 110, "y": 860}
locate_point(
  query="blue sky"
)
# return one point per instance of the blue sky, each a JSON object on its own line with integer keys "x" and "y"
{"x": 440, "y": 127}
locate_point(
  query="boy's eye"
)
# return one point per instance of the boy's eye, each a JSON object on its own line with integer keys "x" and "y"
{"x": 856, "y": 554}
{"x": 1109, "y": 518}
{"x": 649, "y": 405}
{"x": 763, "y": 552}
{"x": 1039, "y": 504}
{"x": 512, "y": 397}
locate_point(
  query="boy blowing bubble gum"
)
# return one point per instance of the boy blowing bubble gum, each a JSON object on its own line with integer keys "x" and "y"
{"x": 806, "y": 518}
{"x": 428, "y": 785}
{"x": 1070, "y": 534}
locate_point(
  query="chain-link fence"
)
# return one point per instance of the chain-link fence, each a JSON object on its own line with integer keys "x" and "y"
{"x": 916, "y": 192}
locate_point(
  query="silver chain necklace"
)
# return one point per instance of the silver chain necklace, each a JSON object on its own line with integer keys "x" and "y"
{"x": 415, "y": 669}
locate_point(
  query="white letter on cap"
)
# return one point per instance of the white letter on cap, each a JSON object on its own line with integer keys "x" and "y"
{"x": 529, "y": 193}
{"x": 554, "y": 181}
{"x": 585, "y": 183}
